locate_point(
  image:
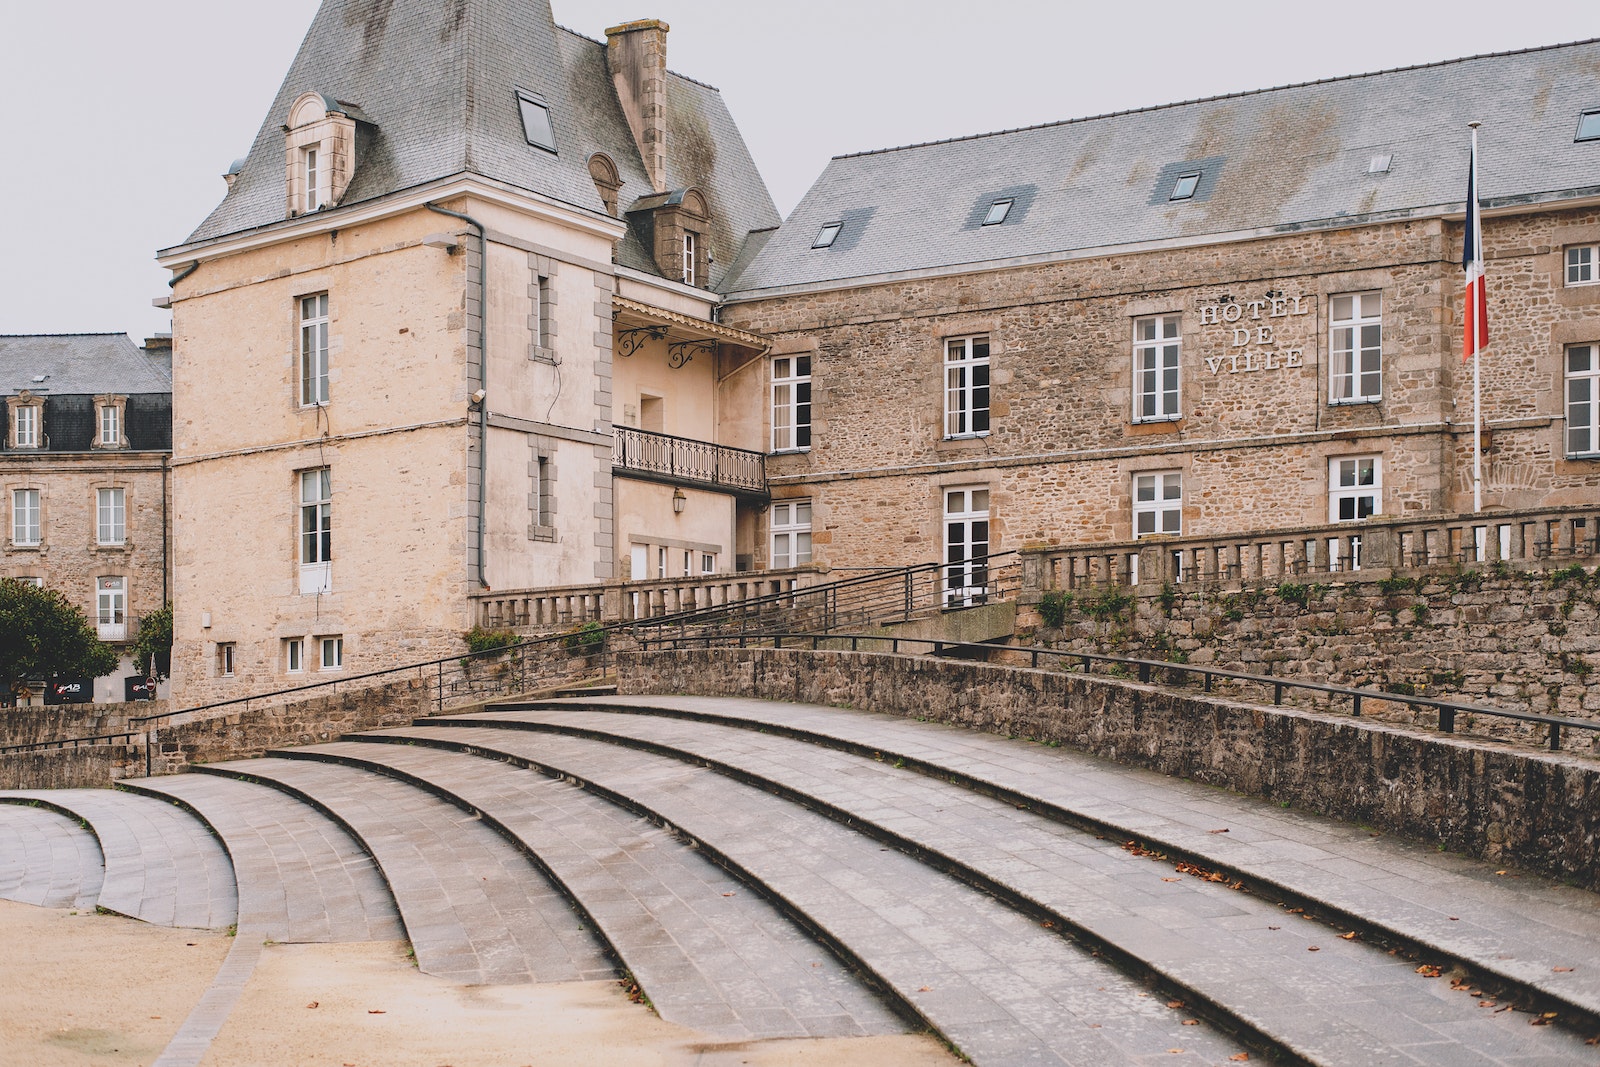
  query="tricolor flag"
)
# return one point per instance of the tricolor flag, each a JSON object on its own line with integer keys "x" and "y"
{"x": 1476, "y": 334}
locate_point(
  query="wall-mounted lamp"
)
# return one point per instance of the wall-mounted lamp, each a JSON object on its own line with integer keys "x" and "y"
{"x": 678, "y": 501}
{"x": 477, "y": 399}
{"x": 446, "y": 241}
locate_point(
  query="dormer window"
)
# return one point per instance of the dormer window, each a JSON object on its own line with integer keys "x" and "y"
{"x": 320, "y": 147}
{"x": 27, "y": 420}
{"x": 1589, "y": 126}
{"x": 110, "y": 422}
{"x": 606, "y": 180}
{"x": 827, "y": 235}
{"x": 536, "y": 125}
{"x": 312, "y": 183}
{"x": 998, "y": 212}
{"x": 1185, "y": 186}
{"x": 691, "y": 244}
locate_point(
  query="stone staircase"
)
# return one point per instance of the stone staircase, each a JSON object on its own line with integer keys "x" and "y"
{"x": 769, "y": 870}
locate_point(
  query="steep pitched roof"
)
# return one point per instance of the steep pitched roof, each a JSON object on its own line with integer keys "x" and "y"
{"x": 1285, "y": 158}
{"x": 438, "y": 80}
{"x": 81, "y": 363}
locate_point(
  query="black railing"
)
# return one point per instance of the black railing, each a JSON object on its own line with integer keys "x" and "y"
{"x": 1144, "y": 669}
{"x": 683, "y": 460}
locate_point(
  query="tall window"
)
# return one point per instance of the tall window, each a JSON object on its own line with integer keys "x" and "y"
{"x": 112, "y": 515}
{"x": 1157, "y": 503}
{"x": 313, "y": 180}
{"x": 966, "y": 386}
{"x": 1157, "y": 348}
{"x": 24, "y": 517}
{"x": 314, "y": 349}
{"x": 332, "y": 652}
{"x": 110, "y": 426}
{"x": 1583, "y": 265}
{"x": 25, "y": 422}
{"x": 791, "y": 533}
{"x": 966, "y": 545}
{"x": 111, "y": 606}
{"x": 691, "y": 242}
{"x": 294, "y": 655}
{"x": 1355, "y": 488}
{"x": 316, "y": 530}
{"x": 1355, "y": 348}
{"x": 225, "y": 656}
{"x": 1583, "y": 400}
{"x": 791, "y": 403}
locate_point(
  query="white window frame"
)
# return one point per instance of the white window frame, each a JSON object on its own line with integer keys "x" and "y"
{"x": 1158, "y": 368}
{"x": 791, "y": 403}
{"x": 110, "y": 425}
{"x": 315, "y": 529}
{"x": 691, "y": 244}
{"x": 790, "y": 533}
{"x": 111, "y": 516}
{"x": 1158, "y": 503}
{"x": 111, "y": 607}
{"x": 708, "y": 563}
{"x": 31, "y": 579}
{"x": 227, "y": 654}
{"x": 1580, "y": 265}
{"x": 311, "y": 174}
{"x": 27, "y": 517}
{"x": 1355, "y": 349}
{"x": 294, "y": 655}
{"x": 25, "y": 420}
{"x": 1582, "y": 395}
{"x": 966, "y": 544}
{"x": 1346, "y": 484}
{"x": 313, "y": 349}
{"x": 330, "y": 653}
{"x": 966, "y": 386}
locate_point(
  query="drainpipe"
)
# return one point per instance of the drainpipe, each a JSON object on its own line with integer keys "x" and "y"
{"x": 483, "y": 379}
{"x": 181, "y": 275}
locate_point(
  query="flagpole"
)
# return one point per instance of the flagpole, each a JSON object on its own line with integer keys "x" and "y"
{"x": 1477, "y": 333}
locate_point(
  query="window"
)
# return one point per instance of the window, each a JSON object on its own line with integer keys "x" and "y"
{"x": 294, "y": 655}
{"x": 316, "y": 530}
{"x": 1158, "y": 503}
{"x": 827, "y": 235}
{"x": 543, "y": 496}
{"x": 33, "y": 580}
{"x": 690, "y": 242}
{"x": 24, "y": 517}
{"x": 1583, "y": 400}
{"x": 25, "y": 422}
{"x": 966, "y": 386}
{"x": 225, "y": 653}
{"x": 791, "y": 533}
{"x": 966, "y": 546}
{"x": 1380, "y": 163}
{"x": 312, "y": 177}
{"x": 111, "y": 604}
{"x": 332, "y": 652}
{"x": 112, "y": 515}
{"x": 1355, "y": 488}
{"x": 708, "y": 563}
{"x": 536, "y": 125}
{"x": 661, "y": 562}
{"x": 110, "y": 426}
{"x": 1184, "y": 187}
{"x": 791, "y": 403}
{"x": 1156, "y": 351}
{"x": 1589, "y": 126}
{"x": 1355, "y": 346}
{"x": 314, "y": 349}
{"x": 1583, "y": 265}
{"x": 998, "y": 212}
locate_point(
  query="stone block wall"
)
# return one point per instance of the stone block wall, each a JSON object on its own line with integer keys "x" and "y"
{"x": 1508, "y": 804}
{"x": 32, "y": 724}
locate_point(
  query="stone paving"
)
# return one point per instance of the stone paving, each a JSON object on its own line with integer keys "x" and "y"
{"x": 162, "y": 865}
{"x": 47, "y": 859}
{"x": 301, "y": 876}
{"x": 713, "y": 955}
{"x": 476, "y": 909}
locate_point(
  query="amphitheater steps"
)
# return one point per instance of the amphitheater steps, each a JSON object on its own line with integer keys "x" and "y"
{"x": 47, "y": 859}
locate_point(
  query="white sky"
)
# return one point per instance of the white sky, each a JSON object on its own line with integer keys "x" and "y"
{"x": 121, "y": 115}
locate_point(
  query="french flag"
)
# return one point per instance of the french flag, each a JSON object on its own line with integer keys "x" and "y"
{"x": 1476, "y": 335}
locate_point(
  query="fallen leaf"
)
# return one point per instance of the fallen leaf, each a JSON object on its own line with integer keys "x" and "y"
{"x": 376, "y": 1011}
{"x": 1047, "y": 924}
{"x": 1274, "y": 928}
{"x": 727, "y": 894}
{"x": 1312, "y": 948}
{"x": 1175, "y": 1051}
{"x": 313, "y": 1004}
{"x": 1172, "y": 879}
{"x": 1561, "y": 970}
{"x": 1502, "y": 873}
{"x": 925, "y": 989}
{"x": 1094, "y": 1026}
{"x": 1239, "y": 1057}
{"x": 1428, "y": 970}
{"x": 1351, "y": 936}
{"x": 1191, "y": 1022}
{"x": 155, "y": 1016}
{"x": 1455, "y": 918}
{"x": 192, "y": 944}
{"x": 1174, "y": 1003}
{"x": 1221, "y": 831}
{"x": 1486, "y": 1003}
{"x": 1542, "y": 1020}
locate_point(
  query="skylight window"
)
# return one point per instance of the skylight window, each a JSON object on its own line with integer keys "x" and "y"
{"x": 827, "y": 235}
{"x": 1589, "y": 126}
{"x": 1380, "y": 163}
{"x": 1185, "y": 186}
{"x": 536, "y": 125}
{"x": 998, "y": 212}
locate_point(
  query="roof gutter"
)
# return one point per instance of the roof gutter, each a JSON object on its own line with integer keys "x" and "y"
{"x": 182, "y": 274}
{"x": 480, "y": 402}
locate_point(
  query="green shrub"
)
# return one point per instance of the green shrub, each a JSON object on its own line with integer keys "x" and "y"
{"x": 585, "y": 640}
{"x": 493, "y": 643}
{"x": 1294, "y": 593}
{"x": 1108, "y": 603}
{"x": 1053, "y": 608}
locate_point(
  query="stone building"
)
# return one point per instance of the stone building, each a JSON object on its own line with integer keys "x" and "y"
{"x": 88, "y": 437}
{"x": 450, "y": 331}
{"x": 1226, "y": 315}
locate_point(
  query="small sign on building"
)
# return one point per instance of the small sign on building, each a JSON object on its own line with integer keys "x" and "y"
{"x": 69, "y": 691}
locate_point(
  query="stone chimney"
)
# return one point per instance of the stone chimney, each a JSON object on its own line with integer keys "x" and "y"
{"x": 636, "y": 52}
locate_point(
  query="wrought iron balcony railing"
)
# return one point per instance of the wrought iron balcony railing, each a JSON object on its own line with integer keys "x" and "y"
{"x": 684, "y": 461}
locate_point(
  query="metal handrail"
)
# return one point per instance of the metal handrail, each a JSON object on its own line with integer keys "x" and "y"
{"x": 1447, "y": 709}
{"x": 688, "y": 459}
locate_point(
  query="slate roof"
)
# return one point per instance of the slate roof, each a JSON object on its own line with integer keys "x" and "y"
{"x": 1281, "y": 158}
{"x": 81, "y": 363}
{"x": 437, "y": 80}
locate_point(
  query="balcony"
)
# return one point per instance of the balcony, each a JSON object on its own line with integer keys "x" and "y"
{"x": 660, "y": 457}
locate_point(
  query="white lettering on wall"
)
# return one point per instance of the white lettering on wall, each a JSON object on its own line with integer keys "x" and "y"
{"x": 1254, "y": 348}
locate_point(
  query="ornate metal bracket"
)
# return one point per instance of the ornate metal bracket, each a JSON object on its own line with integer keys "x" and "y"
{"x": 631, "y": 340}
{"x": 681, "y": 352}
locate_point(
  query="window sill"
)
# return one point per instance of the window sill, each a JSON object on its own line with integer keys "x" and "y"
{"x": 123, "y": 546}
{"x": 964, "y": 443}
{"x": 1353, "y": 401}
{"x": 1148, "y": 427}
{"x": 542, "y": 533}
{"x": 544, "y": 355}
{"x": 27, "y": 548}
{"x": 1591, "y": 456}
{"x": 790, "y": 451}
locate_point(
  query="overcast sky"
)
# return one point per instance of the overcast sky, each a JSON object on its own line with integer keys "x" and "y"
{"x": 121, "y": 115}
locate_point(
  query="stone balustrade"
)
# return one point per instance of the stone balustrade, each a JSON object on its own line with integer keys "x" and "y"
{"x": 560, "y": 607}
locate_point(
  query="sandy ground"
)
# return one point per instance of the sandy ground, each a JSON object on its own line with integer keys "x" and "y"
{"x": 92, "y": 990}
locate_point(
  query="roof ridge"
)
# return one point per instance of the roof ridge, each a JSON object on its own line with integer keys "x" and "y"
{"x": 91, "y": 333}
{"x": 1219, "y": 96}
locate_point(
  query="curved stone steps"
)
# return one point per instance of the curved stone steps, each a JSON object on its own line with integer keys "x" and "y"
{"x": 162, "y": 865}
{"x": 301, "y": 876}
{"x": 47, "y": 859}
{"x": 1180, "y": 927}
{"x": 707, "y": 952}
{"x": 476, "y": 910}
{"x": 1525, "y": 931}
{"x": 998, "y": 985}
